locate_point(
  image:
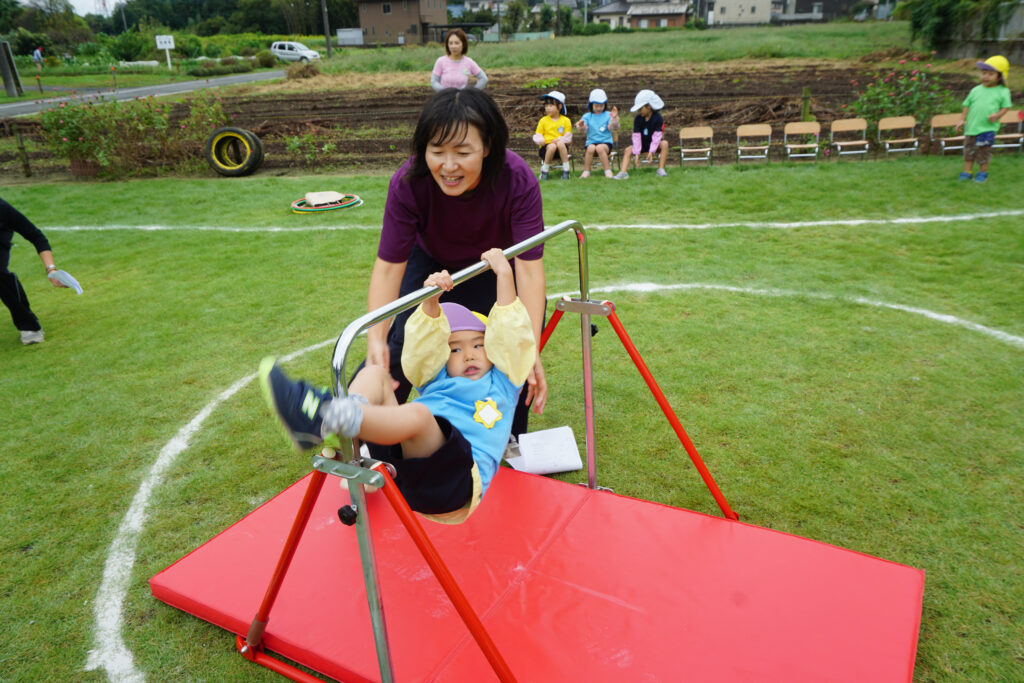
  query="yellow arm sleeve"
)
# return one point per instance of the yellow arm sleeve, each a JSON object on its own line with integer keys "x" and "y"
{"x": 509, "y": 341}
{"x": 425, "y": 350}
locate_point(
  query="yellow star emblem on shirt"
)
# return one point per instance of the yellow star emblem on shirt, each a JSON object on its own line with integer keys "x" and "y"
{"x": 487, "y": 413}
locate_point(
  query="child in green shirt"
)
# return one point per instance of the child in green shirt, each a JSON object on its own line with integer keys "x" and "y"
{"x": 983, "y": 108}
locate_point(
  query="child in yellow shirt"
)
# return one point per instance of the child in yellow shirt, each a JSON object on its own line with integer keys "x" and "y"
{"x": 554, "y": 134}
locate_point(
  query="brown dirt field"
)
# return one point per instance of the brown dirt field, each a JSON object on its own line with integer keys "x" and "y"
{"x": 369, "y": 117}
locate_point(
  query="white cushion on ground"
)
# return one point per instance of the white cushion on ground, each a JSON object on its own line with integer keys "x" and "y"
{"x": 548, "y": 451}
{"x": 323, "y": 198}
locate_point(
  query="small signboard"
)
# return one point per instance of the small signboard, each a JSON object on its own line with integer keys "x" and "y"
{"x": 166, "y": 43}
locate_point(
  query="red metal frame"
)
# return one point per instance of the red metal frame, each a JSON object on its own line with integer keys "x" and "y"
{"x": 251, "y": 646}
{"x": 659, "y": 396}
{"x": 445, "y": 578}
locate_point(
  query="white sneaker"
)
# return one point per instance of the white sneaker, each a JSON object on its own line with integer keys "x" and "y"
{"x": 621, "y": 175}
{"x": 30, "y": 337}
{"x": 662, "y": 172}
{"x": 585, "y": 174}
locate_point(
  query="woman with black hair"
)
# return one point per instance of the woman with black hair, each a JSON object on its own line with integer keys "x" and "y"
{"x": 11, "y": 293}
{"x": 459, "y": 194}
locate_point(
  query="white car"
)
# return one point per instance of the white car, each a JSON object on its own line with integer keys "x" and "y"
{"x": 293, "y": 52}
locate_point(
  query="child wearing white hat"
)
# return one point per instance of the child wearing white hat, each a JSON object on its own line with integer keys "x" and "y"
{"x": 599, "y": 124}
{"x": 648, "y": 133}
{"x": 554, "y": 134}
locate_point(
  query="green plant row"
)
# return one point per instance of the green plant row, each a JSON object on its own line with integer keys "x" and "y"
{"x": 123, "y": 138}
{"x": 221, "y": 69}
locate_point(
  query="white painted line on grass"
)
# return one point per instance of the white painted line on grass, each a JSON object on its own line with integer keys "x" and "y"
{"x": 206, "y": 228}
{"x": 790, "y": 225}
{"x": 110, "y": 652}
{"x": 763, "y": 225}
{"x": 643, "y": 287}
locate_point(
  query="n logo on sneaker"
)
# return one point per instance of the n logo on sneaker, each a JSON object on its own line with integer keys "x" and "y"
{"x": 310, "y": 404}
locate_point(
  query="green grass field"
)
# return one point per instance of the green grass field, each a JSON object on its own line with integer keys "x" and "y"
{"x": 853, "y": 378}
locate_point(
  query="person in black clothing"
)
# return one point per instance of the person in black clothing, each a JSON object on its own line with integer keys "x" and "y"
{"x": 11, "y": 292}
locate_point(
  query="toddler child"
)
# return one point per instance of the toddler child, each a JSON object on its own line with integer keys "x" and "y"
{"x": 554, "y": 134}
{"x": 984, "y": 106}
{"x": 599, "y": 125}
{"x": 446, "y": 444}
{"x": 648, "y": 133}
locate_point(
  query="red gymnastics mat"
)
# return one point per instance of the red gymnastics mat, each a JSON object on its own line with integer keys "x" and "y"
{"x": 572, "y": 585}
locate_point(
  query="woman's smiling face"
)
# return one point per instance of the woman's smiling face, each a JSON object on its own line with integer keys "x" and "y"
{"x": 454, "y": 46}
{"x": 456, "y": 163}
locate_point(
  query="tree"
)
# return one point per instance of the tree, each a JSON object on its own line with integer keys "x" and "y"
{"x": 9, "y": 10}
{"x": 546, "y": 19}
{"x": 940, "y": 22}
{"x": 564, "y": 20}
{"x": 513, "y": 16}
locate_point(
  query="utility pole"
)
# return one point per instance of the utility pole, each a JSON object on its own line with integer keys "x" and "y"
{"x": 327, "y": 27}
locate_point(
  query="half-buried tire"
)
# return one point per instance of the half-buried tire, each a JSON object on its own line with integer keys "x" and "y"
{"x": 233, "y": 151}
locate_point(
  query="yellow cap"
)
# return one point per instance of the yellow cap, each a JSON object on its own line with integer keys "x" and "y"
{"x": 997, "y": 63}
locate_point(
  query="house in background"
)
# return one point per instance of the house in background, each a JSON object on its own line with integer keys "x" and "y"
{"x": 402, "y": 22}
{"x": 643, "y": 14}
{"x": 740, "y": 12}
{"x": 796, "y": 11}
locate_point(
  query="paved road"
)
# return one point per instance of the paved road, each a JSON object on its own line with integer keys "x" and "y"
{"x": 35, "y": 106}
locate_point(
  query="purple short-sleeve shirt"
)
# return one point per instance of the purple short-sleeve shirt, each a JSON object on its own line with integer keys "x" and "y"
{"x": 455, "y": 230}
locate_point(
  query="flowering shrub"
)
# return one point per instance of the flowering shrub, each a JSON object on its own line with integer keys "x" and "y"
{"x": 903, "y": 93}
{"x": 73, "y": 130}
{"x": 126, "y": 137}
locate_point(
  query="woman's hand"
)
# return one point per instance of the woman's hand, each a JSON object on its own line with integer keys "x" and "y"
{"x": 537, "y": 388}
{"x": 378, "y": 353}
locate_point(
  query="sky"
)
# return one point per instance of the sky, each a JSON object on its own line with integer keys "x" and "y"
{"x": 83, "y": 7}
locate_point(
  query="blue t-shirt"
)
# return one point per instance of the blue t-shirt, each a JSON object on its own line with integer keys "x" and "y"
{"x": 597, "y": 128}
{"x": 467, "y": 404}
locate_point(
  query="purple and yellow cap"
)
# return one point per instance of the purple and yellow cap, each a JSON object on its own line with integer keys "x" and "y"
{"x": 997, "y": 63}
{"x": 461, "y": 318}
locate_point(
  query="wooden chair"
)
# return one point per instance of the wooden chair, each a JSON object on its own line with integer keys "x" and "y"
{"x": 1007, "y": 137}
{"x": 852, "y": 138}
{"x": 945, "y": 122}
{"x": 556, "y": 163}
{"x": 895, "y": 126}
{"x": 696, "y": 141}
{"x": 753, "y": 140}
{"x": 800, "y": 130}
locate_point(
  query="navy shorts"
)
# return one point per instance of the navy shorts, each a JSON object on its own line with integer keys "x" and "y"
{"x": 442, "y": 482}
